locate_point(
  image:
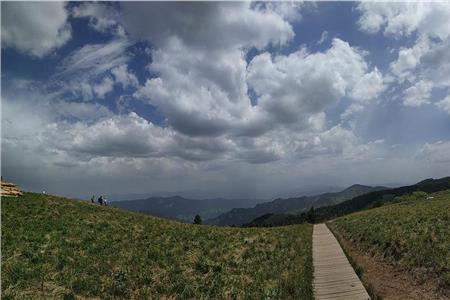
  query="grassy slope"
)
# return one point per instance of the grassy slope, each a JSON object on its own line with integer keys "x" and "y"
{"x": 413, "y": 234}
{"x": 57, "y": 248}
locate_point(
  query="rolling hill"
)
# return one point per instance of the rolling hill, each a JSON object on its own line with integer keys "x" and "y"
{"x": 183, "y": 209}
{"x": 361, "y": 202}
{"x": 56, "y": 248}
{"x": 412, "y": 233}
{"x": 379, "y": 197}
{"x": 240, "y": 216}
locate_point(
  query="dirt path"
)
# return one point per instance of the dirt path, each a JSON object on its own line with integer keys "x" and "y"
{"x": 334, "y": 277}
{"x": 389, "y": 282}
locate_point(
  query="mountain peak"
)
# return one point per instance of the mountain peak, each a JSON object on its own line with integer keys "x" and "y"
{"x": 356, "y": 187}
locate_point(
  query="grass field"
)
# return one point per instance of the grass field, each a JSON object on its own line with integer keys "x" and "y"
{"x": 413, "y": 233}
{"x": 58, "y": 248}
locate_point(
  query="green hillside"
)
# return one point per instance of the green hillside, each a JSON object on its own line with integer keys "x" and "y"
{"x": 358, "y": 203}
{"x": 413, "y": 233}
{"x": 54, "y": 247}
{"x": 289, "y": 206}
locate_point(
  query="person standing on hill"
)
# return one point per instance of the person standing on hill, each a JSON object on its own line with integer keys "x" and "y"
{"x": 100, "y": 200}
{"x": 105, "y": 202}
{"x": 93, "y": 199}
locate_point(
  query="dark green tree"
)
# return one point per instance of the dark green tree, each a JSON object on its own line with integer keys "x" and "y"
{"x": 311, "y": 215}
{"x": 197, "y": 220}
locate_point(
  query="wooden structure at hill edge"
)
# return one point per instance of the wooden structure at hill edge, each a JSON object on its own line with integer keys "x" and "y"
{"x": 9, "y": 190}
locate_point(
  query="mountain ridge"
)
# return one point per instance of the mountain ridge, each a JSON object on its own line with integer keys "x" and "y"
{"x": 240, "y": 216}
{"x": 183, "y": 209}
{"x": 357, "y": 203}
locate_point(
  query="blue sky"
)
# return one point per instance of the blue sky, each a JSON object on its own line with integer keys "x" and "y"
{"x": 223, "y": 99}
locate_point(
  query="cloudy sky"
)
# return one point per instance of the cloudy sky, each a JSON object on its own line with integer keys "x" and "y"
{"x": 231, "y": 99}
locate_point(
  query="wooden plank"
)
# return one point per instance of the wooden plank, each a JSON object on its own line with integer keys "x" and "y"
{"x": 334, "y": 277}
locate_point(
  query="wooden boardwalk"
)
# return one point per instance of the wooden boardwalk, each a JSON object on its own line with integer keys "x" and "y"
{"x": 334, "y": 277}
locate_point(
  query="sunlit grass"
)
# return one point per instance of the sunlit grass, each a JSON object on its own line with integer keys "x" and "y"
{"x": 58, "y": 248}
{"x": 413, "y": 233}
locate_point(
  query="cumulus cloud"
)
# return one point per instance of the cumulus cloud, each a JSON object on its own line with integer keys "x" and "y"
{"x": 438, "y": 152}
{"x": 200, "y": 98}
{"x": 409, "y": 58}
{"x": 368, "y": 87}
{"x": 102, "y": 17}
{"x": 289, "y": 10}
{"x": 104, "y": 87}
{"x": 197, "y": 98}
{"x": 435, "y": 64}
{"x": 128, "y": 135}
{"x": 35, "y": 28}
{"x": 240, "y": 110}
{"x": 199, "y": 24}
{"x": 426, "y": 64}
{"x": 302, "y": 83}
{"x": 335, "y": 141}
{"x": 444, "y": 104}
{"x": 418, "y": 94}
{"x": 124, "y": 76}
{"x": 397, "y": 19}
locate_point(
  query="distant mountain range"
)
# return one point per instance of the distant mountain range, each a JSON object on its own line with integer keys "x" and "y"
{"x": 184, "y": 209}
{"x": 240, "y": 216}
{"x": 379, "y": 197}
{"x": 357, "y": 203}
{"x": 281, "y": 211}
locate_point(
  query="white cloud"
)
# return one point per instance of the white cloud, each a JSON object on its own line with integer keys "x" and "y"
{"x": 338, "y": 144}
{"x": 397, "y": 19}
{"x": 418, "y": 94}
{"x": 289, "y": 10}
{"x": 104, "y": 87}
{"x": 351, "y": 110}
{"x": 409, "y": 58}
{"x": 435, "y": 64}
{"x": 124, "y": 77}
{"x": 203, "y": 99}
{"x": 199, "y": 24}
{"x": 323, "y": 37}
{"x": 198, "y": 98}
{"x": 438, "y": 152}
{"x": 427, "y": 63}
{"x": 102, "y": 17}
{"x": 95, "y": 59}
{"x": 89, "y": 71}
{"x": 212, "y": 136}
{"x": 128, "y": 135}
{"x": 290, "y": 87}
{"x": 426, "y": 60}
{"x": 35, "y": 28}
{"x": 368, "y": 87}
{"x": 444, "y": 104}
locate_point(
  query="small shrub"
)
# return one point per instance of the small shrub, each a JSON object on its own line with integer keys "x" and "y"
{"x": 68, "y": 296}
{"x": 197, "y": 220}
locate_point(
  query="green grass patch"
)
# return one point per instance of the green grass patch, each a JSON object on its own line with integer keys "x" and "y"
{"x": 413, "y": 233}
{"x": 54, "y": 247}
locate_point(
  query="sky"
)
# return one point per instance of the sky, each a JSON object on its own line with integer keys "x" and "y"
{"x": 223, "y": 99}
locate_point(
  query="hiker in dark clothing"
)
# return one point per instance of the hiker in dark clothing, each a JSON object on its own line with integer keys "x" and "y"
{"x": 100, "y": 200}
{"x": 93, "y": 199}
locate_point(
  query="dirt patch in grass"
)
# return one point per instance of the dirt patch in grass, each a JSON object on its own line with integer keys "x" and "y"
{"x": 389, "y": 282}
